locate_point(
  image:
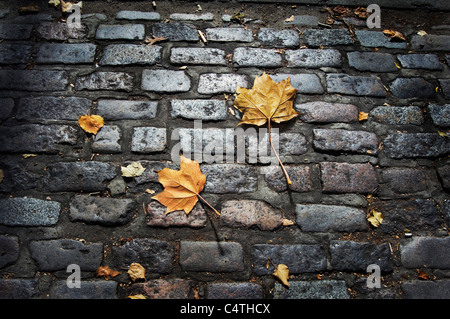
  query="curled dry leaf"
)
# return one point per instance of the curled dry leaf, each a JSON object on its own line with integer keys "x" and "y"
{"x": 290, "y": 19}
{"x": 91, "y": 123}
{"x": 282, "y": 273}
{"x": 394, "y": 35}
{"x": 106, "y": 272}
{"x": 375, "y": 217}
{"x": 153, "y": 40}
{"x": 362, "y": 116}
{"x": 136, "y": 272}
{"x": 287, "y": 222}
{"x": 132, "y": 170}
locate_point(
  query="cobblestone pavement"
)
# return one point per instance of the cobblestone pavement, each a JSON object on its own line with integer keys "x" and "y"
{"x": 63, "y": 200}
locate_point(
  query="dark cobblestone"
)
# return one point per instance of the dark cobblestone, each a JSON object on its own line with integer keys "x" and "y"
{"x": 88, "y": 290}
{"x": 175, "y": 32}
{"x": 162, "y": 289}
{"x": 15, "y": 53}
{"x": 234, "y": 291}
{"x": 440, "y": 114}
{"x": 347, "y": 141}
{"x": 52, "y": 108}
{"x": 29, "y": 212}
{"x": 372, "y": 61}
{"x": 68, "y": 53}
{"x": 314, "y": 58}
{"x": 348, "y": 178}
{"x": 426, "y": 252}
{"x": 33, "y": 80}
{"x": 397, "y": 115}
{"x": 123, "y": 54}
{"x": 57, "y": 254}
{"x": 407, "y": 88}
{"x": 415, "y": 145}
{"x": 298, "y": 258}
{"x": 317, "y": 289}
{"x": 416, "y": 289}
{"x": 329, "y": 37}
{"x": 355, "y": 85}
{"x": 9, "y": 250}
{"x": 324, "y": 112}
{"x": 18, "y": 288}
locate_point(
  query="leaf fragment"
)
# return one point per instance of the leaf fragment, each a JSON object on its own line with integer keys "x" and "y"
{"x": 106, "y": 272}
{"x": 362, "y": 116}
{"x": 287, "y": 222}
{"x": 31, "y": 8}
{"x": 153, "y": 40}
{"x": 394, "y": 35}
{"x": 136, "y": 272}
{"x": 421, "y": 33}
{"x": 91, "y": 123}
{"x": 290, "y": 19}
{"x": 139, "y": 296}
{"x": 2, "y": 175}
{"x": 54, "y": 3}
{"x": 282, "y": 273}
{"x": 133, "y": 170}
{"x": 375, "y": 218}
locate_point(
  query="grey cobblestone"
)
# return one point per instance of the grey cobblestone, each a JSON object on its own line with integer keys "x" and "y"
{"x": 445, "y": 86}
{"x": 304, "y": 83}
{"x": 325, "y": 112}
{"x": 376, "y": 39}
{"x": 165, "y": 81}
{"x": 15, "y": 53}
{"x": 355, "y": 85}
{"x": 107, "y": 140}
{"x": 52, "y": 108}
{"x": 29, "y": 212}
{"x": 19, "y": 288}
{"x": 9, "y": 250}
{"x": 127, "y": 110}
{"x": 300, "y": 176}
{"x": 37, "y": 138}
{"x": 102, "y": 211}
{"x": 344, "y": 140}
{"x": 123, "y": 54}
{"x": 229, "y": 35}
{"x": 148, "y": 139}
{"x": 315, "y": 37}
{"x": 199, "y": 109}
{"x": 57, "y": 254}
{"x": 230, "y": 178}
{"x": 33, "y": 80}
{"x": 244, "y": 57}
{"x": 68, "y": 53}
{"x": 213, "y": 83}
{"x": 430, "y": 42}
{"x": 15, "y": 31}
{"x": 355, "y": 256}
{"x": 234, "y": 291}
{"x": 138, "y": 15}
{"x": 416, "y": 289}
{"x": 407, "y": 88}
{"x": 6, "y": 108}
{"x": 211, "y": 256}
{"x": 326, "y": 218}
{"x": 348, "y": 178}
{"x": 60, "y": 31}
{"x": 156, "y": 216}
{"x": 154, "y": 255}
{"x": 440, "y": 114}
{"x": 427, "y": 252}
{"x": 313, "y": 58}
{"x": 298, "y": 258}
{"x": 162, "y": 289}
{"x": 420, "y": 61}
{"x": 175, "y": 32}
{"x": 191, "y": 17}
{"x": 278, "y": 39}
{"x": 372, "y": 61}
{"x": 120, "y": 32}
{"x": 207, "y": 56}
{"x": 88, "y": 290}
{"x": 411, "y": 145}
{"x": 397, "y": 115}
{"x": 317, "y": 289}
{"x": 105, "y": 81}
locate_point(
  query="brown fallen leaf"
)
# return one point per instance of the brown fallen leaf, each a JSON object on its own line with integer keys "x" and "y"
{"x": 424, "y": 276}
{"x": 287, "y": 222}
{"x": 2, "y": 175}
{"x": 394, "y": 35}
{"x": 91, "y": 123}
{"x": 153, "y": 40}
{"x": 267, "y": 101}
{"x": 67, "y": 6}
{"x": 362, "y": 116}
{"x": 361, "y": 13}
{"x": 182, "y": 188}
{"x": 375, "y": 217}
{"x": 106, "y": 272}
{"x": 136, "y": 271}
{"x": 282, "y": 273}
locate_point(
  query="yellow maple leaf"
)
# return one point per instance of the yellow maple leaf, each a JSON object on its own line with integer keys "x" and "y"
{"x": 267, "y": 101}
{"x": 182, "y": 188}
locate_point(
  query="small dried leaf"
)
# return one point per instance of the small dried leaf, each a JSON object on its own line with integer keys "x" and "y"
{"x": 1, "y": 175}
{"x": 397, "y": 66}
{"x": 136, "y": 271}
{"x": 423, "y": 275}
{"x": 91, "y": 123}
{"x": 290, "y": 19}
{"x": 362, "y": 116}
{"x": 442, "y": 134}
{"x": 375, "y": 218}
{"x": 132, "y": 170}
{"x": 137, "y": 297}
{"x": 421, "y": 33}
{"x": 287, "y": 222}
{"x": 54, "y": 3}
{"x": 28, "y": 155}
{"x": 106, "y": 272}
{"x": 394, "y": 35}
{"x": 150, "y": 191}
{"x": 153, "y": 40}
{"x": 282, "y": 273}
{"x": 31, "y": 8}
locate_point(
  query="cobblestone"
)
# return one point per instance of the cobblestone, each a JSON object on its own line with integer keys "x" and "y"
{"x": 127, "y": 110}
{"x": 15, "y": 53}
{"x": 29, "y": 212}
{"x": 138, "y": 15}
{"x": 105, "y": 81}
{"x": 348, "y": 178}
{"x": 211, "y": 256}
{"x": 199, "y": 109}
{"x": 234, "y": 291}
{"x": 148, "y": 139}
{"x": 57, "y": 254}
{"x": 347, "y": 141}
{"x": 207, "y": 56}
{"x": 9, "y": 250}
{"x": 372, "y": 61}
{"x": 244, "y": 57}
{"x": 355, "y": 85}
{"x": 440, "y": 114}
{"x": 324, "y": 112}
{"x": 88, "y": 290}
{"x": 156, "y": 216}
{"x": 412, "y": 145}
{"x": 165, "y": 81}
{"x": 416, "y": 289}
{"x": 317, "y": 289}
{"x": 426, "y": 252}
{"x": 120, "y": 32}
{"x": 397, "y": 115}
{"x": 162, "y": 289}
{"x": 299, "y": 258}
{"x": 304, "y": 83}
{"x": 315, "y": 38}
{"x": 407, "y": 88}
{"x": 15, "y": 31}
{"x": 229, "y": 35}
{"x": 101, "y": 211}
{"x": 213, "y": 83}
{"x": 33, "y": 80}
{"x": 278, "y": 39}
{"x": 70, "y": 53}
{"x": 52, "y": 108}
{"x": 420, "y": 61}
{"x": 230, "y": 178}
{"x": 175, "y": 32}
{"x": 376, "y": 39}
{"x": 430, "y": 42}
{"x": 313, "y": 58}
{"x": 59, "y": 31}
{"x": 123, "y": 54}
{"x": 300, "y": 176}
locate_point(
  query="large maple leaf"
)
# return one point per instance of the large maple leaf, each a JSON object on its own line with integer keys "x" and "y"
{"x": 267, "y": 101}
{"x": 182, "y": 187}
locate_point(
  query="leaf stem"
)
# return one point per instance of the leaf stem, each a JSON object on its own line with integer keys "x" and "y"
{"x": 208, "y": 204}
{"x": 281, "y": 164}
